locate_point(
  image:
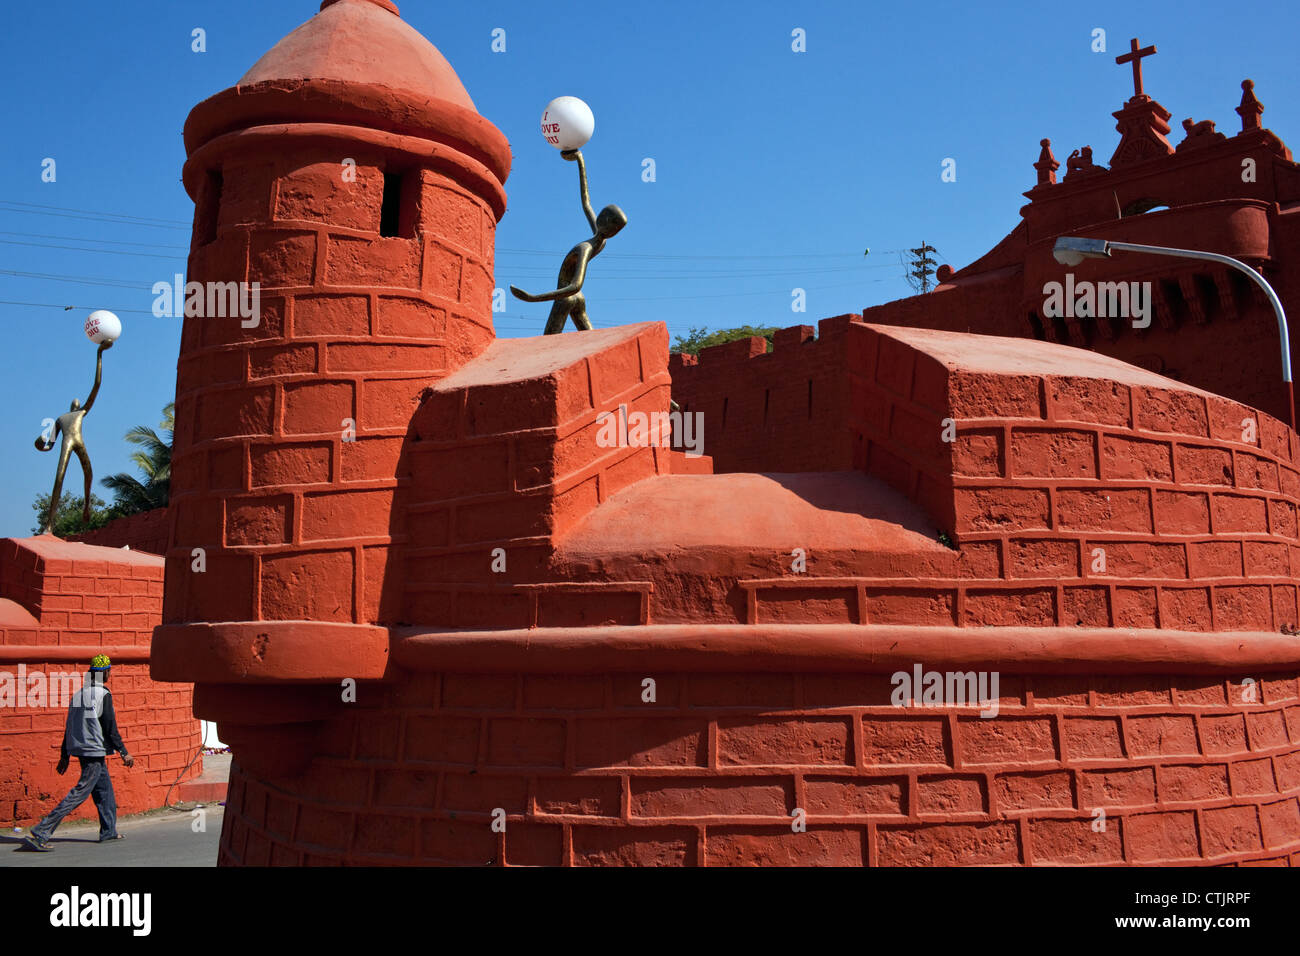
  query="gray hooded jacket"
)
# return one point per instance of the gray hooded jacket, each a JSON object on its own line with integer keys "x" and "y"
{"x": 91, "y": 730}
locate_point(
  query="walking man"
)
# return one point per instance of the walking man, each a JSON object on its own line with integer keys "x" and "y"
{"x": 90, "y": 735}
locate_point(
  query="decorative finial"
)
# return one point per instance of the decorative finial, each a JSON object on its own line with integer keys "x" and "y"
{"x": 1047, "y": 164}
{"x": 1134, "y": 56}
{"x": 1250, "y": 108}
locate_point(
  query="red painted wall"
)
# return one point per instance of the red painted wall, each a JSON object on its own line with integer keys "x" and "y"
{"x": 146, "y": 531}
{"x": 1127, "y": 501}
{"x": 61, "y": 603}
{"x": 521, "y": 688}
{"x": 588, "y": 774}
{"x": 1041, "y": 471}
{"x": 783, "y": 410}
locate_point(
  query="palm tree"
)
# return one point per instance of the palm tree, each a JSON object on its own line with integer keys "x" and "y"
{"x": 154, "y": 459}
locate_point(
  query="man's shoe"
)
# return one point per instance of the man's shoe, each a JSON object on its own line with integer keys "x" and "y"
{"x": 36, "y": 844}
{"x": 110, "y": 839}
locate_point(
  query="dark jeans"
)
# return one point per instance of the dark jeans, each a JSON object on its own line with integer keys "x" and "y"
{"x": 94, "y": 783}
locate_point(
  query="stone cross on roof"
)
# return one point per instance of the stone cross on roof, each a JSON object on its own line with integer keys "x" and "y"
{"x": 1135, "y": 55}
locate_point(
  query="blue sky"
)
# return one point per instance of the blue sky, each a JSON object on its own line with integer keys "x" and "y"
{"x": 774, "y": 169}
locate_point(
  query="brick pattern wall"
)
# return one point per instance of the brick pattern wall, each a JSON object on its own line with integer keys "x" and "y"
{"x": 710, "y": 773}
{"x": 778, "y": 411}
{"x": 86, "y": 600}
{"x": 1070, "y": 500}
{"x": 513, "y": 466}
{"x": 899, "y": 400}
{"x": 146, "y": 531}
{"x": 83, "y": 600}
{"x": 1080, "y": 500}
{"x": 288, "y": 435}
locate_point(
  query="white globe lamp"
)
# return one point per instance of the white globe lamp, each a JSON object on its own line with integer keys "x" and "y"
{"x": 567, "y": 123}
{"x": 103, "y": 326}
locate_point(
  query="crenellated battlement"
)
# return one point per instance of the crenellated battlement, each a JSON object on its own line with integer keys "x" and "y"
{"x": 758, "y": 406}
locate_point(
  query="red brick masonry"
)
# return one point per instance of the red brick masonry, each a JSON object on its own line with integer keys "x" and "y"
{"x": 146, "y": 531}
{"x": 709, "y": 774}
{"x": 61, "y": 603}
{"x": 387, "y": 494}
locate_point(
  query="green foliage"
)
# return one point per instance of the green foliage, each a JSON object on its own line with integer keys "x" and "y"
{"x": 68, "y": 520}
{"x": 133, "y": 495}
{"x": 703, "y": 338}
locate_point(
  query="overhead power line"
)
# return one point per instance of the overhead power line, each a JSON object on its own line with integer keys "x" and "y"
{"x": 79, "y": 280}
{"x": 127, "y": 218}
{"x": 109, "y": 242}
{"x": 72, "y": 308}
{"x": 106, "y": 252}
{"x": 732, "y": 268}
{"x": 109, "y": 220}
{"x": 95, "y": 212}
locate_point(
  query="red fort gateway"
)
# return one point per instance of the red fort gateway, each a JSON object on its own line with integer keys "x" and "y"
{"x": 628, "y": 655}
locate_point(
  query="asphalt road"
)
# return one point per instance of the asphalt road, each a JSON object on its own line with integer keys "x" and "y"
{"x": 166, "y": 838}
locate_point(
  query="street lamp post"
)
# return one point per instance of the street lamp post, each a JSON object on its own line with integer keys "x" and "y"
{"x": 1072, "y": 250}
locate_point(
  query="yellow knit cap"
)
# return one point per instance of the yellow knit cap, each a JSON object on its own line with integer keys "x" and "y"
{"x": 100, "y": 662}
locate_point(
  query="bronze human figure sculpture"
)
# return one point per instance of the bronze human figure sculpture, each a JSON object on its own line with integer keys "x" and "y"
{"x": 69, "y": 424}
{"x": 568, "y": 298}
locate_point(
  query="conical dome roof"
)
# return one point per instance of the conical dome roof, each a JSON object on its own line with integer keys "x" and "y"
{"x": 361, "y": 41}
{"x": 357, "y": 62}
